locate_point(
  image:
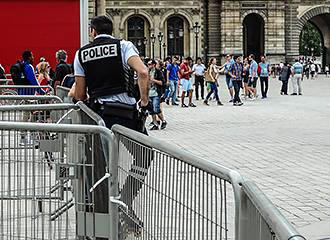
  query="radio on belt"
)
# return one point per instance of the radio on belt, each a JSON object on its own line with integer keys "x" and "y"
{"x": 99, "y": 52}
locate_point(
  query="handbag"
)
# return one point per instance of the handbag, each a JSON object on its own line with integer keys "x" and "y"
{"x": 208, "y": 77}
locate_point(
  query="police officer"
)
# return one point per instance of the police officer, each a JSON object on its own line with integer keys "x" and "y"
{"x": 103, "y": 74}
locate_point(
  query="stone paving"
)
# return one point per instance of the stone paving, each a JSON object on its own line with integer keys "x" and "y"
{"x": 281, "y": 143}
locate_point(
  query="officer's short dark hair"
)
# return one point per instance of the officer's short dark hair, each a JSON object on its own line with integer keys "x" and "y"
{"x": 102, "y": 25}
{"x": 26, "y": 55}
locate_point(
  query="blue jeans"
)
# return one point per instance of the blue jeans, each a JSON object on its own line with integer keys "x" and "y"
{"x": 173, "y": 90}
{"x": 214, "y": 89}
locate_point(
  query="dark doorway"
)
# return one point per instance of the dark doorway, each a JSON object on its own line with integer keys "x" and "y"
{"x": 135, "y": 33}
{"x": 254, "y": 35}
{"x": 175, "y": 36}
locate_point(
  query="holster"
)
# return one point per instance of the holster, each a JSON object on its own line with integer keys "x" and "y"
{"x": 119, "y": 110}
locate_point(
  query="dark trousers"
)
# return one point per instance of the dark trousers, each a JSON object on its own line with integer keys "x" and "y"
{"x": 214, "y": 89}
{"x": 264, "y": 86}
{"x": 237, "y": 87}
{"x": 199, "y": 80}
{"x": 284, "y": 87}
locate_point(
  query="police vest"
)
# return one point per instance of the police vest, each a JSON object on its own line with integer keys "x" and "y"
{"x": 103, "y": 66}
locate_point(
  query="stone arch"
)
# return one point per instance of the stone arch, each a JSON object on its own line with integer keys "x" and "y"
{"x": 319, "y": 16}
{"x": 139, "y": 12}
{"x": 248, "y": 12}
{"x": 305, "y": 16}
{"x": 173, "y": 13}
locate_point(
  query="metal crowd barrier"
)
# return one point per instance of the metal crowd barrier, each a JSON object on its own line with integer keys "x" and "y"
{"x": 41, "y": 182}
{"x": 28, "y": 99}
{"x": 40, "y": 113}
{"x": 24, "y": 89}
{"x": 62, "y": 92}
{"x": 167, "y": 193}
{"x": 156, "y": 190}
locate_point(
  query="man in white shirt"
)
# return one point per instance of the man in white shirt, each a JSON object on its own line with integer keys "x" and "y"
{"x": 199, "y": 71}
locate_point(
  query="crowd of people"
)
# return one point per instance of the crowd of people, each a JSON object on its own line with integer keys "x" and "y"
{"x": 175, "y": 78}
{"x": 24, "y": 73}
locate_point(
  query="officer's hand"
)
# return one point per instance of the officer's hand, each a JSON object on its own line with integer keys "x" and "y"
{"x": 144, "y": 103}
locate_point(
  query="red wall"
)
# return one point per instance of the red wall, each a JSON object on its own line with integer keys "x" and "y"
{"x": 42, "y": 26}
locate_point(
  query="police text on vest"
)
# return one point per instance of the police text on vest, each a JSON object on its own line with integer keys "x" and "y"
{"x": 99, "y": 52}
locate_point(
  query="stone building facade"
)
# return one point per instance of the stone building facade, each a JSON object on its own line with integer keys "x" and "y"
{"x": 270, "y": 27}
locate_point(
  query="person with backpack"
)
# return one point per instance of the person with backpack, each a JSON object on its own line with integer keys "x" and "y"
{"x": 284, "y": 77}
{"x": 23, "y": 73}
{"x": 62, "y": 70}
{"x": 210, "y": 77}
{"x": 155, "y": 92}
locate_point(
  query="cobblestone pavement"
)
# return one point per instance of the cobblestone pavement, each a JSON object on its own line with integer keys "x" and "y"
{"x": 281, "y": 143}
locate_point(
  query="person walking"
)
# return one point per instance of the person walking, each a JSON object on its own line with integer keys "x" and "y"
{"x": 173, "y": 78}
{"x": 227, "y": 68}
{"x": 103, "y": 68}
{"x": 264, "y": 76}
{"x": 284, "y": 77}
{"x": 297, "y": 77}
{"x": 210, "y": 77}
{"x": 246, "y": 69}
{"x": 327, "y": 70}
{"x": 236, "y": 78}
{"x": 185, "y": 72}
{"x": 199, "y": 71}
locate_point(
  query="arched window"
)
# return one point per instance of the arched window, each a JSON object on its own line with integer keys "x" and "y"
{"x": 135, "y": 27}
{"x": 175, "y": 36}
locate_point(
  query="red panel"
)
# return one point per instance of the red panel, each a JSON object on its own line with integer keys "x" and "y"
{"x": 42, "y": 26}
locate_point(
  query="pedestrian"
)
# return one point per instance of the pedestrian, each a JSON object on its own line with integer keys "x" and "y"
{"x": 313, "y": 70}
{"x": 297, "y": 77}
{"x": 30, "y": 75}
{"x": 199, "y": 71}
{"x": 155, "y": 92}
{"x": 227, "y": 68}
{"x": 173, "y": 78}
{"x": 62, "y": 68}
{"x": 43, "y": 77}
{"x": 246, "y": 69}
{"x": 327, "y": 70}
{"x": 284, "y": 77}
{"x": 110, "y": 84}
{"x": 253, "y": 76}
{"x": 185, "y": 72}
{"x": 236, "y": 78}
{"x": 307, "y": 70}
{"x": 211, "y": 78}
{"x": 264, "y": 76}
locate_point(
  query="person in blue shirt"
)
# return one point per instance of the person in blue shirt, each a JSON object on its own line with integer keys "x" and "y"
{"x": 227, "y": 66}
{"x": 297, "y": 76}
{"x": 236, "y": 78}
{"x": 253, "y": 76}
{"x": 264, "y": 76}
{"x": 30, "y": 75}
{"x": 173, "y": 78}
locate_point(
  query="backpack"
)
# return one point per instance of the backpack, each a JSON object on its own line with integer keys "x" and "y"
{"x": 68, "y": 81}
{"x": 18, "y": 74}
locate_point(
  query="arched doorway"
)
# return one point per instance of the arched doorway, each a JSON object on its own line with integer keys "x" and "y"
{"x": 175, "y": 36}
{"x": 254, "y": 35}
{"x": 136, "y": 33}
{"x": 318, "y": 42}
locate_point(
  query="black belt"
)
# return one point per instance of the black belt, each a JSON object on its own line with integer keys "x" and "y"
{"x": 116, "y": 109}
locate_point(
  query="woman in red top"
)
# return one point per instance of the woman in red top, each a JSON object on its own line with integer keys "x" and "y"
{"x": 44, "y": 78}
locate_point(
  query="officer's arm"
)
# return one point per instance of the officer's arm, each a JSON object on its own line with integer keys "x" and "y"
{"x": 143, "y": 77}
{"x": 80, "y": 91}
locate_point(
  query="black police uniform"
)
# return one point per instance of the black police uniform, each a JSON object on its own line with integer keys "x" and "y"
{"x": 105, "y": 75}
